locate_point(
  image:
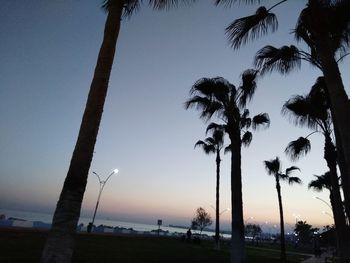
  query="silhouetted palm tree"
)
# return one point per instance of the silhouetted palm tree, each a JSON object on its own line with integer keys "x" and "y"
{"x": 273, "y": 167}
{"x": 312, "y": 111}
{"x": 60, "y": 242}
{"x": 324, "y": 27}
{"x": 216, "y": 96}
{"x": 214, "y": 145}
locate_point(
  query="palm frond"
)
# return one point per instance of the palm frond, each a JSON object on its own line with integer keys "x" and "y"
{"x": 130, "y": 6}
{"x": 291, "y": 169}
{"x": 299, "y": 110}
{"x": 319, "y": 99}
{"x": 335, "y": 23}
{"x": 340, "y": 24}
{"x": 198, "y": 102}
{"x": 199, "y": 143}
{"x": 214, "y": 108}
{"x": 248, "y": 86}
{"x": 228, "y": 3}
{"x": 206, "y": 106}
{"x": 213, "y": 88}
{"x": 210, "y": 140}
{"x": 218, "y": 136}
{"x": 245, "y": 123}
{"x": 228, "y": 149}
{"x": 167, "y": 4}
{"x": 321, "y": 182}
{"x": 298, "y": 148}
{"x": 282, "y": 176}
{"x": 247, "y": 138}
{"x": 207, "y": 148}
{"x": 282, "y": 60}
{"x": 251, "y": 27}
{"x": 204, "y": 87}
{"x": 215, "y": 126}
{"x": 302, "y": 31}
{"x": 273, "y": 166}
{"x": 261, "y": 120}
{"x": 294, "y": 180}
{"x": 245, "y": 114}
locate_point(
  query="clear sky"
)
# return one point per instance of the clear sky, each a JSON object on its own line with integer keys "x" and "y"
{"x": 48, "y": 51}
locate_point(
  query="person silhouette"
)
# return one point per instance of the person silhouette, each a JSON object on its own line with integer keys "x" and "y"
{"x": 189, "y": 234}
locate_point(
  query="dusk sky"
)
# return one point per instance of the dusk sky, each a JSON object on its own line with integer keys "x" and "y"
{"x": 48, "y": 52}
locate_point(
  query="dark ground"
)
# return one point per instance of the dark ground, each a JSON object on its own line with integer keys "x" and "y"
{"x": 26, "y": 245}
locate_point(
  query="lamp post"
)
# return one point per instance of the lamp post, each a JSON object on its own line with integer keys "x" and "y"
{"x": 223, "y": 211}
{"x": 102, "y": 185}
{"x": 316, "y": 197}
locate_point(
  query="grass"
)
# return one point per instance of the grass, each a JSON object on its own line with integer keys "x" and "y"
{"x": 26, "y": 246}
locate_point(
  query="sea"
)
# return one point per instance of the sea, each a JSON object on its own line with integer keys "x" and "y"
{"x": 47, "y": 218}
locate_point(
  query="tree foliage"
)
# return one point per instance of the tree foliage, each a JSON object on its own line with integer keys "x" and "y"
{"x": 305, "y": 232}
{"x": 252, "y": 230}
{"x": 201, "y": 220}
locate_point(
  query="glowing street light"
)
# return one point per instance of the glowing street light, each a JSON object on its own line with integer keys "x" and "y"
{"x": 102, "y": 185}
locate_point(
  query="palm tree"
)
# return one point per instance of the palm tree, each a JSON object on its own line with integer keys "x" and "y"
{"x": 312, "y": 111}
{"x": 214, "y": 145}
{"x": 60, "y": 242}
{"x": 324, "y": 27}
{"x": 217, "y": 96}
{"x": 273, "y": 167}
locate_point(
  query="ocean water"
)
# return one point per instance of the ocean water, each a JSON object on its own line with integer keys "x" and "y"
{"x": 47, "y": 218}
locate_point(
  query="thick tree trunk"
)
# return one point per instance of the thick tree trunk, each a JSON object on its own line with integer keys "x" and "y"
{"x": 338, "y": 98}
{"x": 283, "y": 241}
{"x": 237, "y": 239}
{"x": 60, "y": 242}
{"x": 217, "y": 212}
{"x": 343, "y": 241}
{"x": 345, "y": 181}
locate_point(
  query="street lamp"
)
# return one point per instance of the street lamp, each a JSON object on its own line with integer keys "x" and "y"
{"x": 102, "y": 185}
{"x": 223, "y": 211}
{"x": 316, "y": 197}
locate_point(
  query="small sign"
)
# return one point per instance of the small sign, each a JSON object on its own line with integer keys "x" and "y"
{"x": 159, "y": 222}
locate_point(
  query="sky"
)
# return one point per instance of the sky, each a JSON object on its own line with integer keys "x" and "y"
{"x": 48, "y": 52}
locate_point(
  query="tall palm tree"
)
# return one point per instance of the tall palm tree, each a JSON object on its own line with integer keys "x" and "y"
{"x": 214, "y": 145}
{"x": 324, "y": 27}
{"x": 218, "y": 97}
{"x": 273, "y": 167}
{"x": 312, "y": 111}
{"x": 60, "y": 242}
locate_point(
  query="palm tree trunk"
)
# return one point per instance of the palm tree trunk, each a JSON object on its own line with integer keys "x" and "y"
{"x": 343, "y": 241}
{"x": 339, "y": 100}
{"x": 237, "y": 225}
{"x": 345, "y": 180}
{"x": 60, "y": 242}
{"x": 283, "y": 242}
{"x": 340, "y": 113}
{"x": 217, "y": 222}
